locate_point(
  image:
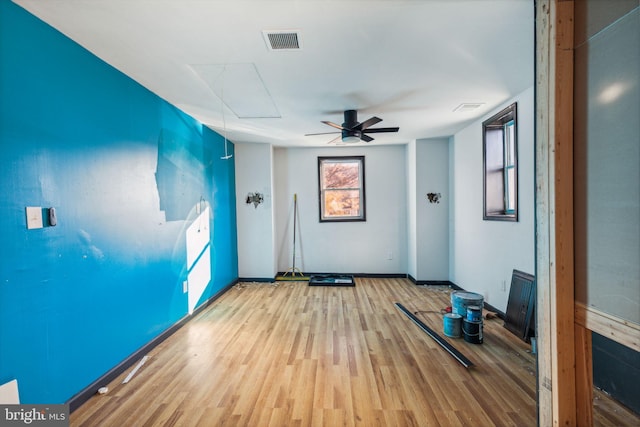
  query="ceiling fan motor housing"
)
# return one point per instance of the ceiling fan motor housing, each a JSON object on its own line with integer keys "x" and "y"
{"x": 350, "y": 119}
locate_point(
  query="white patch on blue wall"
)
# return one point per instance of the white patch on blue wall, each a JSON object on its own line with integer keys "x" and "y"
{"x": 198, "y": 258}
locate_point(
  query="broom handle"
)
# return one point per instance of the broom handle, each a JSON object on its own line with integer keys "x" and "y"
{"x": 295, "y": 211}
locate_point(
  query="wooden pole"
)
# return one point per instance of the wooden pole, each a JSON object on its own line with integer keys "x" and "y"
{"x": 554, "y": 213}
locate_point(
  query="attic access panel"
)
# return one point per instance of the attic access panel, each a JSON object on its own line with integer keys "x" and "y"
{"x": 520, "y": 315}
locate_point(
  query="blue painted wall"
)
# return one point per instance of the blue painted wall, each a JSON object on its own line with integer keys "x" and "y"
{"x": 125, "y": 170}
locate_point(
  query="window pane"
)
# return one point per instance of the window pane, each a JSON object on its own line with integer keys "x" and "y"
{"x": 511, "y": 189}
{"x": 494, "y": 198}
{"x": 341, "y": 203}
{"x": 510, "y": 142}
{"x": 494, "y": 150}
{"x": 341, "y": 174}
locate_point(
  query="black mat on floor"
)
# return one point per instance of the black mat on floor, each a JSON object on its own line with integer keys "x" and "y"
{"x": 331, "y": 280}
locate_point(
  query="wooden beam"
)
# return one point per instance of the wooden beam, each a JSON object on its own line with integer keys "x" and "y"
{"x": 564, "y": 357}
{"x": 584, "y": 377}
{"x": 543, "y": 227}
{"x": 619, "y": 330}
{"x": 554, "y": 212}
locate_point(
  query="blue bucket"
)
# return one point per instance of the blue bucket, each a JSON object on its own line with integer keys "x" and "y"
{"x": 460, "y": 300}
{"x": 452, "y": 325}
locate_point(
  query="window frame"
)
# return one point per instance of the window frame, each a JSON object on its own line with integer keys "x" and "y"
{"x": 500, "y": 157}
{"x": 509, "y": 164}
{"x": 361, "y": 189}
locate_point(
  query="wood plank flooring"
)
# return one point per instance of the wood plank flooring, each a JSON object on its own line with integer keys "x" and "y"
{"x": 289, "y": 354}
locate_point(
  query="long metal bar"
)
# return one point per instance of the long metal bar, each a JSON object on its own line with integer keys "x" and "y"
{"x": 450, "y": 349}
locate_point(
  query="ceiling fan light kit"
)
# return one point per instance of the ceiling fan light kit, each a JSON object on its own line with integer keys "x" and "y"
{"x": 349, "y": 138}
{"x": 352, "y": 131}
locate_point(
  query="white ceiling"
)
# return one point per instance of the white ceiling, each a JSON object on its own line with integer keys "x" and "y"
{"x": 408, "y": 62}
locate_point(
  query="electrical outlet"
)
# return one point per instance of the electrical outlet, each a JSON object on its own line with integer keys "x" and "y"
{"x": 503, "y": 287}
{"x": 390, "y": 255}
{"x": 185, "y": 287}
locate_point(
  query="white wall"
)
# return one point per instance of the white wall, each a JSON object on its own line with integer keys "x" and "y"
{"x": 483, "y": 254}
{"x": 347, "y": 247}
{"x": 432, "y": 224}
{"x": 256, "y": 258}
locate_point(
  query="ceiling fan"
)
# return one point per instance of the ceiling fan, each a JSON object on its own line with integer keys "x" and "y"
{"x": 352, "y": 131}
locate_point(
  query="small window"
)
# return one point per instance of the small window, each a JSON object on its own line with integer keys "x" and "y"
{"x": 341, "y": 188}
{"x": 500, "y": 161}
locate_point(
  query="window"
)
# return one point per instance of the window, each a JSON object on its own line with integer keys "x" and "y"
{"x": 500, "y": 161}
{"x": 341, "y": 188}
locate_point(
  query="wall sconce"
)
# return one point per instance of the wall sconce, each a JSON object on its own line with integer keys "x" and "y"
{"x": 255, "y": 198}
{"x": 434, "y": 197}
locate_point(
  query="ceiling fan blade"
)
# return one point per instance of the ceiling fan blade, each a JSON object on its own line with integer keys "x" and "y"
{"x": 370, "y": 122}
{"x": 333, "y": 125}
{"x": 380, "y": 130}
{"x": 337, "y": 139}
{"x": 321, "y": 133}
{"x": 366, "y": 138}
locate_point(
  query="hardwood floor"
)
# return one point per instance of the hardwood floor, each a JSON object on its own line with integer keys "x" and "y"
{"x": 288, "y": 354}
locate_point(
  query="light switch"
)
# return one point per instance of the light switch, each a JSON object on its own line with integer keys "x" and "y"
{"x": 34, "y": 217}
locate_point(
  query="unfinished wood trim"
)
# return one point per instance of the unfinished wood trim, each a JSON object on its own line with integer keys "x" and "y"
{"x": 584, "y": 378}
{"x": 619, "y": 330}
{"x": 554, "y": 212}
{"x": 543, "y": 227}
{"x": 564, "y": 357}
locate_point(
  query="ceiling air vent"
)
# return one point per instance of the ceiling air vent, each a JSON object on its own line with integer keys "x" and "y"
{"x": 283, "y": 40}
{"x": 468, "y": 106}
